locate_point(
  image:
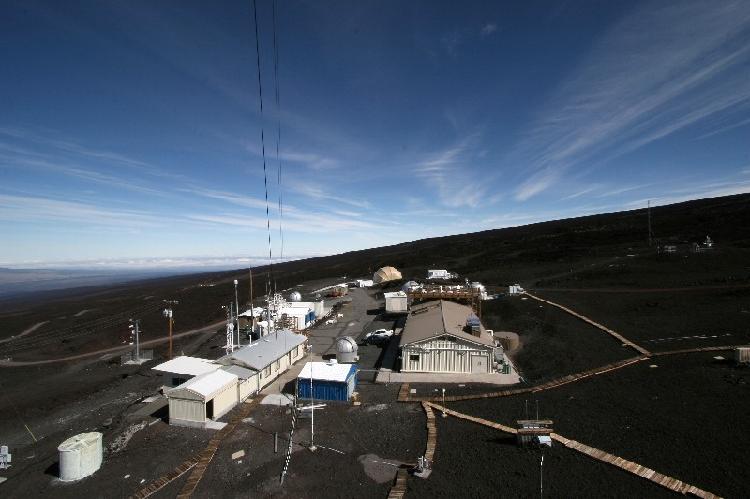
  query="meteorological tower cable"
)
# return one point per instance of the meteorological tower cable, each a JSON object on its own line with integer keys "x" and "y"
{"x": 278, "y": 129}
{"x": 263, "y": 150}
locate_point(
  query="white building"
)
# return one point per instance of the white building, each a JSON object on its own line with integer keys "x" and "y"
{"x": 213, "y": 388}
{"x": 202, "y": 398}
{"x": 438, "y": 274}
{"x": 396, "y": 302}
{"x": 180, "y": 369}
{"x": 445, "y": 337}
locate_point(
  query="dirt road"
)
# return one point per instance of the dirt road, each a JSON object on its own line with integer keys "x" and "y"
{"x": 156, "y": 341}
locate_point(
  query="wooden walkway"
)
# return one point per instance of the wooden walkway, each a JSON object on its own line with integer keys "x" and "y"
{"x": 697, "y": 350}
{"x": 615, "y": 334}
{"x": 429, "y": 452}
{"x": 198, "y": 463}
{"x": 404, "y": 395}
{"x": 165, "y": 480}
{"x": 398, "y": 490}
{"x": 631, "y": 467}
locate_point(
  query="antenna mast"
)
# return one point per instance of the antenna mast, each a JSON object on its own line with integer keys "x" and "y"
{"x": 649, "y": 223}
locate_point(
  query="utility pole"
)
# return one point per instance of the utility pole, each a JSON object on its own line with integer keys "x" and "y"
{"x": 169, "y": 315}
{"x": 541, "y": 477}
{"x": 312, "y": 409}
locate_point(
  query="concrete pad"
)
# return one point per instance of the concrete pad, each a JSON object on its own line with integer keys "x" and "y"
{"x": 150, "y": 399}
{"x": 489, "y": 378}
{"x": 378, "y": 469}
{"x": 214, "y": 425}
{"x": 238, "y": 454}
{"x": 276, "y": 399}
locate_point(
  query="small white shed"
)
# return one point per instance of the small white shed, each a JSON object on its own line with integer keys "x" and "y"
{"x": 396, "y": 302}
{"x": 205, "y": 397}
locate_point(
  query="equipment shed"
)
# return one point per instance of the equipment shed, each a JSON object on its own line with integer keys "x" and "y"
{"x": 205, "y": 397}
{"x": 396, "y": 302}
{"x": 330, "y": 381}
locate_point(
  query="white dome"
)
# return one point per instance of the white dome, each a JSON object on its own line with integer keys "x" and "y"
{"x": 295, "y": 296}
{"x": 346, "y": 344}
{"x": 409, "y": 286}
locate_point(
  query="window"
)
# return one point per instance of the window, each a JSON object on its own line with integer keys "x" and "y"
{"x": 277, "y": 365}
{"x": 267, "y": 371}
{"x": 414, "y": 357}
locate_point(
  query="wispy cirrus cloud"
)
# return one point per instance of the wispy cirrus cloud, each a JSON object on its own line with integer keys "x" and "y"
{"x": 449, "y": 171}
{"x": 16, "y": 208}
{"x": 663, "y": 68}
{"x": 317, "y": 192}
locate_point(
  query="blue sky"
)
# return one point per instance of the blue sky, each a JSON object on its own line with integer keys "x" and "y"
{"x": 130, "y": 131}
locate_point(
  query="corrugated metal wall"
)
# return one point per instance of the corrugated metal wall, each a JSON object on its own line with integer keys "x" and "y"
{"x": 329, "y": 390}
{"x": 188, "y": 410}
{"x": 443, "y": 356}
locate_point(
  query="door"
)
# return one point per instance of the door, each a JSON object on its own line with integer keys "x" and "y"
{"x": 210, "y": 409}
{"x": 478, "y": 364}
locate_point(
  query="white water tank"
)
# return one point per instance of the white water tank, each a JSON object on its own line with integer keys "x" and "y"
{"x": 80, "y": 456}
{"x": 295, "y": 296}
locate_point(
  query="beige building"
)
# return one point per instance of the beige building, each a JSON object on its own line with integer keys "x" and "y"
{"x": 202, "y": 398}
{"x": 445, "y": 337}
{"x": 269, "y": 356}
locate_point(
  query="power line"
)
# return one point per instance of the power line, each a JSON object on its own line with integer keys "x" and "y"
{"x": 263, "y": 148}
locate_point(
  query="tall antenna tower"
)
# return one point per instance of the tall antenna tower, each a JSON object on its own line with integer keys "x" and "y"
{"x": 237, "y": 312}
{"x": 135, "y": 335}
{"x": 230, "y": 331}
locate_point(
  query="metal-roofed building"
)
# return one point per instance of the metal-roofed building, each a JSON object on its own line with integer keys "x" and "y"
{"x": 270, "y": 355}
{"x": 180, "y": 369}
{"x": 445, "y": 337}
{"x": 327, "y": 381}
{"x": 202, "y": 398}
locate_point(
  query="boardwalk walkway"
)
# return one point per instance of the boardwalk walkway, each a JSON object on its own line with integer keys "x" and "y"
{"x": 666, "y": 481}
{"x": 615, "y": 334}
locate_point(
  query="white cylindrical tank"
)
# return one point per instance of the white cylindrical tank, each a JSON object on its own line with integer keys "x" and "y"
{"x": 295, "y": 296}
{"x": 409, "y": 286}
{"x": 80, "y": 456}
{"x": 346, "y": 350}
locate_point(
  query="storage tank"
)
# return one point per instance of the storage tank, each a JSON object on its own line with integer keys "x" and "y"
{"x": 742, "y": 355}
{"x": 346, "y": 350}
{"x": 295, "y": 296}
{"x": 409, "y": 286}
{"x": 80, "y": 456}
